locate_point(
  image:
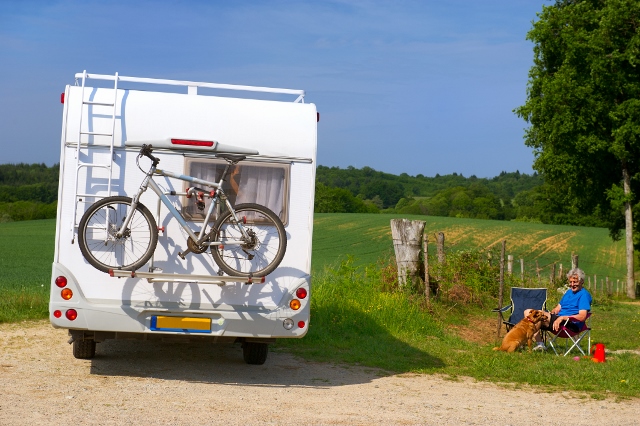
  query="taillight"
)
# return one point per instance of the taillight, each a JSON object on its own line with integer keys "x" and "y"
{"x": 191, "y": 142}
{"x": 57, "y": 313}
{"x": 301, "y": 324}
{"x": 71, "y": 314}
{"x": 295, "y": 304}
{"x": 62, "y": 97}
{"x": 301, "y": 293}
{"x": 61, "y": 281}
{"x": 66, "y": 293}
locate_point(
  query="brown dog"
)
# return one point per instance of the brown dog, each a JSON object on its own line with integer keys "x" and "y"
{"x": 522, "y": 333}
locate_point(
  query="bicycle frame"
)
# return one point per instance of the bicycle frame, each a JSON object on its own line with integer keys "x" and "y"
{"x": 148, "y": 182}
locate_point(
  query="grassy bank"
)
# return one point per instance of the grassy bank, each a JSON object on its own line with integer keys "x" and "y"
{"x": 354, "y": 322}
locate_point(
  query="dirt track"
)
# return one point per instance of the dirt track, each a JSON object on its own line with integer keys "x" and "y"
{"x": 162, "y": 383}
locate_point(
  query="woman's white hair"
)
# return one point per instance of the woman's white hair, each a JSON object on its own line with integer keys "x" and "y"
{"x": 576, "y": 271}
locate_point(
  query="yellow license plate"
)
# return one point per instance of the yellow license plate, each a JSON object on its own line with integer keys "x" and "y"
{"x": 181, "y": 324}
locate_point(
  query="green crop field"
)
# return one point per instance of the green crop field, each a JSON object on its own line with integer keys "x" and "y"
{"x": 26, "y": 250}
{"x": 368, "y": 238}
{"x": 26, "y": 254}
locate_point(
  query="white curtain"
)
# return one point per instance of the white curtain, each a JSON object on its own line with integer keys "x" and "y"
{"x": 259, "y": 184}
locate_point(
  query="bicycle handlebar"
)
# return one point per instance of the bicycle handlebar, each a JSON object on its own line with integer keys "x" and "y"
{"x": 146, "y": 151}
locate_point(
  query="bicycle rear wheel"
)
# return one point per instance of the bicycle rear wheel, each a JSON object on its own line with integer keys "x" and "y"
{"x": 97, "y": 235}
{"x": 261, "y": 253}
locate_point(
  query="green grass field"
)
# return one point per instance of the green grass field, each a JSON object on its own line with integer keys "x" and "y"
{"x": 26, "y": 255}
{"x": 368, "y": 236}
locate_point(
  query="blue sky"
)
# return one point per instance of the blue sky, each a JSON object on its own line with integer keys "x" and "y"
{"x": 420, "y": 87}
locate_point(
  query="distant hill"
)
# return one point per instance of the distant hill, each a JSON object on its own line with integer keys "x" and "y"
{"x": 368, "y": 238}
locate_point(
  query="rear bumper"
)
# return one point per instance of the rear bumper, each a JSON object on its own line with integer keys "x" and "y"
{"x": 116, "y": 319}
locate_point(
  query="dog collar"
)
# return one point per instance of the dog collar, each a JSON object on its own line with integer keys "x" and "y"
{"x": 528, "y": 319}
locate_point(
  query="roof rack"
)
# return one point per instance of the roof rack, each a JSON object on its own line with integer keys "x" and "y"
{"x": 192, "y": 86}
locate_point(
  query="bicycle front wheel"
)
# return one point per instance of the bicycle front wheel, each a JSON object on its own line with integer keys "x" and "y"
{"x": 260, "y": 253}
{"x": 100, "y": 245}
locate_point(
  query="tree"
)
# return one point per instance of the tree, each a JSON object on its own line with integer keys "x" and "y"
{"x": 583, "y": 104}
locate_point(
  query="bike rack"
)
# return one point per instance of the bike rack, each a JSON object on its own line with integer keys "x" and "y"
{"x": 154, "y": 277}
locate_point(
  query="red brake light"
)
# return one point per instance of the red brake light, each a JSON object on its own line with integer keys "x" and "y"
{"x": 191, "y": 142}
{"x": 301, "y": 293}
{"x": 301, "y": 324}
{"x": 61, "y": 281}
{"x": 57, "y": 314}
{"x": 62, "y": 97}
{"x": 71, "y": 314}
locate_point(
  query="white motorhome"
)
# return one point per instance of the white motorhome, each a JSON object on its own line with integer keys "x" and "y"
{"x": 106, "y": 118}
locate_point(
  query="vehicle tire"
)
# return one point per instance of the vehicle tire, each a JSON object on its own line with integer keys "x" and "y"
{"x": 97, "y": 240}
{"x": 255, "y": 353}
{"x": 84, "y": 348}
{"x": 259, "y": 256}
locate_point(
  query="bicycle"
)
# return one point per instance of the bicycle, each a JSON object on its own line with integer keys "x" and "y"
{"x": 119, "y": 232}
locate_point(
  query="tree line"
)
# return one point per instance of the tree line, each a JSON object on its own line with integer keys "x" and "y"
{"x": 30, "y": 191}
{"x": 508, "y": 196}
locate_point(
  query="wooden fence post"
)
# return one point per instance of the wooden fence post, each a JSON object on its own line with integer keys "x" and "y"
{"x": 538, "y": 271}
{"x": 425, "y": 254}
{"x": 407, "y": 239}
{"x": 501, "y": 288}
{"x": 560, "y": 273}
{"x": 440, "y": 247}
{"x": 510, "y": 265}
{"x": 552, "y": 277}
{"x": 522, "y": 270}
{"x": 609, "y": 289}
{"x": 574, "y": 261}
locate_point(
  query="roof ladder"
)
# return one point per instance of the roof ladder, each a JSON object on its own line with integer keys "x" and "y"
{"x": 81, "y": 197}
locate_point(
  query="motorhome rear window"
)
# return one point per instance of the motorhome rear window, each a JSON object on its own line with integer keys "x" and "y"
{"x": 247, "y": 182}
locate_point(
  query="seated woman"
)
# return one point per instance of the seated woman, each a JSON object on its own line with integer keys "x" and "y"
{"x": 575, "y": 303}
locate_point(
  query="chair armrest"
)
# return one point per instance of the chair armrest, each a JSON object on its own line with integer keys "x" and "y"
{"x": 505, "y": 309}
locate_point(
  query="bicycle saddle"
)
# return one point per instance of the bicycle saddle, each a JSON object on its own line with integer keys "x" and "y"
{"x": 234, "y": 158}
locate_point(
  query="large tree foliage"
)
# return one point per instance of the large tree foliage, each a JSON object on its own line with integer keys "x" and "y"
{"x": 584, "y": 105}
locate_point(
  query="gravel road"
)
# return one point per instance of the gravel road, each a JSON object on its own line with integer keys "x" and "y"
{"x": 193, "y": 384}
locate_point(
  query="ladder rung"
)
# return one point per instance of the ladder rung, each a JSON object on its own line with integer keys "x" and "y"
{"x": 96, "y": 133}
{"x": 104, "y": 166}
{"x": 97, "y": 103}
{"x": 90, "y": 195}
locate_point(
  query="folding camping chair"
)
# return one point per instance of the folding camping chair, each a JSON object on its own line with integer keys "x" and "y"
{"x": 575, "y": 337}
{"x": 521, "y": 299}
